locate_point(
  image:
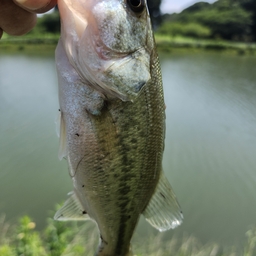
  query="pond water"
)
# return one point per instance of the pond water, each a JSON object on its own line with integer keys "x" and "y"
{"x": 210, "y": 152}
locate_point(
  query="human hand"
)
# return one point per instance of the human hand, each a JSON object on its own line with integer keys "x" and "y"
{"x": 17, "y": 17}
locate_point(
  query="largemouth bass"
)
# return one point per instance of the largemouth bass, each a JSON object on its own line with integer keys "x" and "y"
{"x": 112, "y": 120}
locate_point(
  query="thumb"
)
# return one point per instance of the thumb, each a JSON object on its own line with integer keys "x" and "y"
{"x": 38, "y": 6}
{"x": 15, "y": 20}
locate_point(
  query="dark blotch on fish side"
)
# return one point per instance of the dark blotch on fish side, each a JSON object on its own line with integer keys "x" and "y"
{"x": 141, "y": 133}
{"x": 134, "y": 140}
{"x": 138, "y": 86}
{"x": 84, "y": 212}
{"x": 107, "y": 153}
{"x": 125, "y": 162}
{"x": 83, "y": 186}
{"x": 101, "y": 157}
{"x": 135, "y": 147}
{"x": 121, "y": 233}
{"x": 122, "y": 206}
{"x": 77, "y": 134}
{"x": 104, "y": 241}
{"x": 162, "y": 195}
{"x": 100, "y": 170}
{"x": 128, "y": 176}
{"x": 125, "y": 170}
{"x": 127, "y": 148}
{"x": 125, "y": 191}
{"x": 102, "y": 141}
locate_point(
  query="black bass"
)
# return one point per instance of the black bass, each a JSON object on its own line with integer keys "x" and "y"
{"x": 112, "y": 120}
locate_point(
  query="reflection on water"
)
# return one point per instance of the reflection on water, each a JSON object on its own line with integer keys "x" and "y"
{"x": 210, "y": 141}
{"x": 32, "y": 180}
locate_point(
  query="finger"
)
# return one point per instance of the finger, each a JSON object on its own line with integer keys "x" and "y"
{"x": 15, "y": 20}
{"x": 38, "y": 6}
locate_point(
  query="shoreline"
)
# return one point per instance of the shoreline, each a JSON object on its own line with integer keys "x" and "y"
{"x": 43, "y": 45}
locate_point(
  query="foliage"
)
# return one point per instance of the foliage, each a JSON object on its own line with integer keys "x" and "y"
{"x": 50, "y": 23}
{"x": 73, "y": 239}
{"x": 250, "y": 6}
{"x": 28, "y": 241}
{"x": 57, "y": 235}
{"x": 47, "y": 24}
{"x": 154, "y": 11}
{"x": 195, "y": 30}
{"x": 251, "y": 243}
{"x": 226, "y": 23}
{"x": 200, "y": 6}
{"x": 225, "y": 19}
{"x": 6, "y": 250}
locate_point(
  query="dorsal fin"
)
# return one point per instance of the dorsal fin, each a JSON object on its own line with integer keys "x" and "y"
{"x": 71, "y": 210}
{"x": 163, "y": 211}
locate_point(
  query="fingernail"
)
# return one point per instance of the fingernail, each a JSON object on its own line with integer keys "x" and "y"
{"x": 33, "y": 5}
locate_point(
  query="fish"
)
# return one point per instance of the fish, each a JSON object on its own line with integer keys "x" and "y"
{"x": 112, "y": 121}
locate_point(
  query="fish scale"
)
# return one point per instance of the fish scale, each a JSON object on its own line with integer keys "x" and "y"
{"x": 129, "y": 173}
{"x": 112, "y": 122}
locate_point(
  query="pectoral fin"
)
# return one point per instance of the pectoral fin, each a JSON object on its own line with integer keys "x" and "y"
{"x": 163, "y": 211}
{"x": 71, "y": 210}
{"x": 63, "y": 138}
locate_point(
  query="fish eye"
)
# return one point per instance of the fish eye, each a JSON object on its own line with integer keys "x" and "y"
{"x": 137, "y": 5}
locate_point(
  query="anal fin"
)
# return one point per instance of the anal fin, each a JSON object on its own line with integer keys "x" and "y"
{"x": 71, "y": 210}
{"x": 163, "y": 211}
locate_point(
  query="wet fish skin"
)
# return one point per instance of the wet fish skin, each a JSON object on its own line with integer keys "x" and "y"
{"x": 112, "y": 123}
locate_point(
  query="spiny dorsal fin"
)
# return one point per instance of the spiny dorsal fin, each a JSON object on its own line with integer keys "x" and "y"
{"x": 63, "y": 138}
{"x": 163, "y": 211}
{"x": 71, "y": 210}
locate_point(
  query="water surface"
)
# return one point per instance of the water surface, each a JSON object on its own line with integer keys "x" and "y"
{"x": 209, "y": 151}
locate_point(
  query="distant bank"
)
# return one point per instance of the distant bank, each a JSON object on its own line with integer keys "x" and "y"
{"x": 41, "y": 45}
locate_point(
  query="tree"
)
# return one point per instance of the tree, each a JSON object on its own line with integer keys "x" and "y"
{"x": 227, "y": 19}
{"x": 195, "y": 30}
{"x": 250, "y": 6}
{"x": 227, "y": 23}
{"x": 197, "y": 7}
{"x": 50, "y": 23}
{"x": 155, "y": 12}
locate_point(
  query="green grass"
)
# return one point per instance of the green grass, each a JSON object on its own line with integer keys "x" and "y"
{"x": 81, "y": 238}
{"x": 168, "y": 43}
{"x": 31, "y": 44}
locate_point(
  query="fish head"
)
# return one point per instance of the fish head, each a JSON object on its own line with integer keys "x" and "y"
{"x": 109, "y": 43}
